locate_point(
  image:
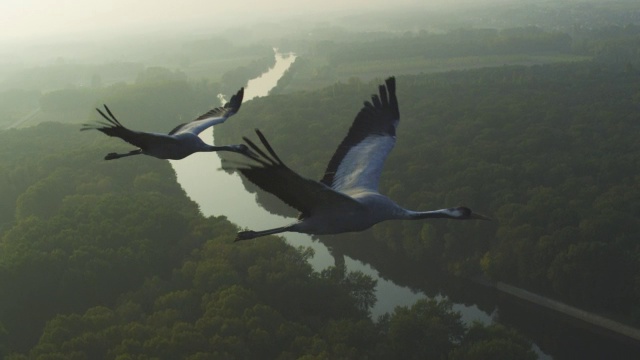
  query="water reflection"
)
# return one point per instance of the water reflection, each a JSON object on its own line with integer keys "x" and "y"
{"x": 261, "y": 85}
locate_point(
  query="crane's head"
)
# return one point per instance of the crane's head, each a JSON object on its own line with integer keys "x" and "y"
{"x": 464, "y": 213}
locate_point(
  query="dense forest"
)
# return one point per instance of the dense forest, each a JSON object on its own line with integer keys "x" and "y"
{"x": 533, "y": 125}
{"x": 550, "y": 151}
{"x": 111, "y": 260}
{"x": 340, "y": 55}
{"x": 67, "y": 92}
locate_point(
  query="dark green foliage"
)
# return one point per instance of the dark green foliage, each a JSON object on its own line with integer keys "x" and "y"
{"x": 493, "y": 342}
{"x": 84, "y": 229}
{"x": 407, "y": 328}
{"x": 270, "y": 307}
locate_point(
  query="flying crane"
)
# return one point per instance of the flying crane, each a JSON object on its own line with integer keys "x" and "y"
{"x": 180, "y": 142}
{"x": 346, "y": 199}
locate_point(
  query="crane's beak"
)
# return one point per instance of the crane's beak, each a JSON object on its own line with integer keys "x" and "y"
{"x": 244, "y": 150}
{"x": 479, "y": 217}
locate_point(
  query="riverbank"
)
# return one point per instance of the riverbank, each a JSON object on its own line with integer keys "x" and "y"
{"x": 592, "y": 321}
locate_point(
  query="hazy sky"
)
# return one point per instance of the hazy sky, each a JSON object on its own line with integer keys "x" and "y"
{"x": 21, "y": 19}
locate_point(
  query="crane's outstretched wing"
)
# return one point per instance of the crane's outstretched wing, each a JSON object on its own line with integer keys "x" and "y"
{"x": 358, "y": 161}
{"x": 212, "y": 117}
{"x": 113, "y": 127}
{"x": 273, "y": 176}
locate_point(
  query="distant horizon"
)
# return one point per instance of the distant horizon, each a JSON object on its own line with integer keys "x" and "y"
{"x": 66, "y": 20}
{"x": 40, "y": 32}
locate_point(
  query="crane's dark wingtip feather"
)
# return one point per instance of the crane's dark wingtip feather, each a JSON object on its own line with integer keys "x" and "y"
{"x": 268, "y": 147}
{"x": 391, "y": 90}
{"x": 259, "y": 154}
{"x": 263, "y": 158}
{"x": 378, "y": 116}
{"x": 111, "y": 119}
{"x": 101, "y": 113}
{"x": 391, "y": 84}
{"x": 236, "y": 101}
{"x": 108, "y": 110}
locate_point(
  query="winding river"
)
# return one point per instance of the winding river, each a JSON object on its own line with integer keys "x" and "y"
{"x": 224, "y": 194}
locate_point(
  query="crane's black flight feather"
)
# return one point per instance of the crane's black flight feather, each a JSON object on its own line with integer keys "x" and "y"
{"x": 230, "y": 108}
{"x": 378, "y": 117}
{"x": 273, "y": 176}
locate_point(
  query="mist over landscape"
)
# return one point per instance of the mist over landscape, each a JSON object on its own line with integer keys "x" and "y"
{"x": 526, "y": 111}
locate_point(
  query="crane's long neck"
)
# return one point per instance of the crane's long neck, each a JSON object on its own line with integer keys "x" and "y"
{"x": 219, "y": 148}
{"x": 250, "y": 234}
{"x": 433, "y": 214}
{"x": 233, "y": 148}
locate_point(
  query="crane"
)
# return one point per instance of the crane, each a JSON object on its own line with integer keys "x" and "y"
{"x": 346, "y": 199}
{"x": 180, "y": 142}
